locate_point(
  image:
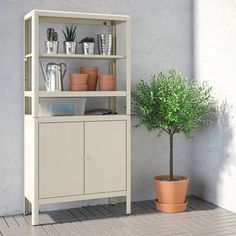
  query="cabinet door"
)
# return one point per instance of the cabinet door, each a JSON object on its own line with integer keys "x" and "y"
{"x": 61, "y": 165}
{"x": 105, "y": 151}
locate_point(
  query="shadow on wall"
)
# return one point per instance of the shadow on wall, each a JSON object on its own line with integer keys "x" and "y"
{"x": 211, "y": 155}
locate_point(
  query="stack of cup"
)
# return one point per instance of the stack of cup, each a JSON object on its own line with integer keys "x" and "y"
{"x": 104, "y": 44}
{"x": 107, "y": 83}
{"x": 92, "y": 72}
{"x": 78, "y": 82}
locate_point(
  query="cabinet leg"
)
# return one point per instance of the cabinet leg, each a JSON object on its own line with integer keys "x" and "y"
{"x": 128, "y": 205}
{"x": 26, "y": 206}
{"x": 35, "y": 214}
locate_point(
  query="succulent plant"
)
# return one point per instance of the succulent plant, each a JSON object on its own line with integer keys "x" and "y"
{"x": 70, "y": 33}
{"x": 55, "y": 36}
{"x": 87, "y": 40}
{"x": 52, "y": 35}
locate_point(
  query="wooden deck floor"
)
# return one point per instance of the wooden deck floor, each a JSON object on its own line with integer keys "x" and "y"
{"x": 202, "y": 218}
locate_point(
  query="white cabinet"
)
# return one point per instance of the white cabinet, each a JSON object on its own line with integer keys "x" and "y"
{"x": 61, "y": 165}
{"x": 105, "y": 150}
{"x": 78, "y": 158}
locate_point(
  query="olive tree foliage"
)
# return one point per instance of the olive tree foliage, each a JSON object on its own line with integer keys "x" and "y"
{"x": 173, "y": 104}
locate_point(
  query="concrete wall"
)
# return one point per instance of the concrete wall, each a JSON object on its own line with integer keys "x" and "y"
{"x": 214, "y": 149}
{"x": 161, "y": 39}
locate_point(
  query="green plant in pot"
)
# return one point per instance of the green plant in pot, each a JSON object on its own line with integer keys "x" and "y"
{"x": 69, "y": 43}
{"x": 52, "y": 44}
{"x": 88, "y": 45}
{"x": 172, "y": 104}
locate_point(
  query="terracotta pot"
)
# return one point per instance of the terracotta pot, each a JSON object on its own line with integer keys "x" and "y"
{"x": 89, "y": 69}
{"x": 78, "y": 87}
{"x": 92, "y": 72}
{"x": 81, "y": 79}
{"x": 171, "y": 195}
{"x": 107, "y": 83}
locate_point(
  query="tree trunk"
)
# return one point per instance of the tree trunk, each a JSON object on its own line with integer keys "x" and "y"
{"x": 171, "y": 156}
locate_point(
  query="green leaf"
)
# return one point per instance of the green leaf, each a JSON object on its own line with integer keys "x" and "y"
{"x": 173, "y": 103}
{"x": 70, "y": 33}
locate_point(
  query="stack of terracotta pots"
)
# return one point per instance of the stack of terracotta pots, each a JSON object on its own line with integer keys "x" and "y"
{"x": 107, "y": 83}
{"x": 78, "y": 82}
{"x": 92, "y": 72}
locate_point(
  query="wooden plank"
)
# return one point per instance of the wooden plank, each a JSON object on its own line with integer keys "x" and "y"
{"x": 51, "y": 230}
{"x": 86, "y": 213}
{"x": 150, "y": 203}
{"x": 61, "y": 216}
{"x": 71, "y": 228}
{"x": 21, "y": 221}
{"x": 81, "y": 226}
{"x": 30, "y": 231}
{"x": 94, "y": 211}
{"x": 103, "y": 210}
{"x": 3, "y": 223}
{"x": 136, "y": 209}
{"x": 147, "y": 207}
{"x": 117, "y": 210}
{"x": 78, "y": 214}
{"x": 61, "y": 229}
{"x": 11, "y": 222}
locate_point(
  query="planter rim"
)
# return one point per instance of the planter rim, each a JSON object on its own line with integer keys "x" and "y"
{"x": 182, "y": 179}
{"x": 78, "y": 74}
{"x": 89, "y": 67}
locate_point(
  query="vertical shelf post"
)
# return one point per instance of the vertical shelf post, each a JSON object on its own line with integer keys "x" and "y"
{"x": 35, "y": 100}
{"x": 112, "y": 66}
{"x": 128, "y": 112}
{"x": 35, "y": 63}
{"x": 26, "y": 77}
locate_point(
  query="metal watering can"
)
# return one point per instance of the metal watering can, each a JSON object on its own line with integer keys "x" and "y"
{"x": 53, "y": 76}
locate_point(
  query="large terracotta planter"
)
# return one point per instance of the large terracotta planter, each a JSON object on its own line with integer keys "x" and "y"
{"x": 171, "y": 195}
{"x": 92, "y": 72}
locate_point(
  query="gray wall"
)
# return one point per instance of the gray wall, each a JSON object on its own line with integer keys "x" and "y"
{"x": 161, "y": 39}
{"x": 214, "y": 148}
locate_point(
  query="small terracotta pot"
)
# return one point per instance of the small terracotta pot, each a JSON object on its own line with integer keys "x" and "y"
{"x": 81, "y": 79}
{"x": 171, "y": 195}
{"x": 78, "y": 87}
{"x": 92, "y": 72}
{"x": 107, "y": 83}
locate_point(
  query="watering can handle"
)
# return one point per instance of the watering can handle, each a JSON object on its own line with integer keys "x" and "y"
{"x": 63, "y": 70}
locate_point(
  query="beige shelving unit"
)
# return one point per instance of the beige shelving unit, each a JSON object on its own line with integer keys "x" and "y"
{"x": 71, "y": 158}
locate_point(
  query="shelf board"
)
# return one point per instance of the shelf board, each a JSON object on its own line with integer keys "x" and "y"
{"x": 28, "y": 94}
{"x": 28, "y": 55}
{"x": 82, "y": 56}
{"x": 77, "y": 17}
{"x": 79, "y": 118}
{"x": 45, "y": 94}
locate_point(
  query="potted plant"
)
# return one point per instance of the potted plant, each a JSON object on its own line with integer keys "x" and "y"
{"x": 88, "y": 45}
{"x": 172, "y": 104}
{"x": 69, "y": 43}
{"x": 52, "y": 44}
